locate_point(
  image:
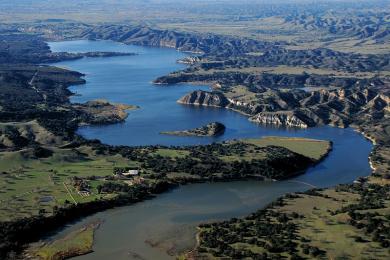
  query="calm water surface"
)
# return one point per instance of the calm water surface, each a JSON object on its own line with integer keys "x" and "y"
{"x": 149, "y": 229}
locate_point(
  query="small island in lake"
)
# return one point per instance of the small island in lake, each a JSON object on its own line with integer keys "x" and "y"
{"x": 211, "y": 129}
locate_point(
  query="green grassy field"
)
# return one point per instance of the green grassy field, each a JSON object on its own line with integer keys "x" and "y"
{"x": 308, "y": 147}
{"x": 241, "y": 93}
{"x": 171, "y": 153}
{"x": 30, "y": 185}
{"x": 332, "y": 232}
{"x": 315, "y": 149}
{"x": 319, "y": 221}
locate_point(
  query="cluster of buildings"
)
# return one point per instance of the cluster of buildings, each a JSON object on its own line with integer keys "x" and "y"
{"x": 130, "y": 175}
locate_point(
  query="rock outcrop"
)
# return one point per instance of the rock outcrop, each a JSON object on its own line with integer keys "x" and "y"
{"x": 280, "y": 119}
{"x": 204, "y": 98}
{"x": 189, "y": 60}
{"x": 338, "y": 107}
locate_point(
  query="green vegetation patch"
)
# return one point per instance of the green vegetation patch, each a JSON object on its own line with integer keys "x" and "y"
{"x": 349, "y": 222}
{"x": 30, "y": 186}
{"x": 311, "y": 148}
{"x": 173, "y": 153}
{"x": 76, "y": 243}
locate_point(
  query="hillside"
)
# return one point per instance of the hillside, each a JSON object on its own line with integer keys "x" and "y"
{"x": 291, "y": 64}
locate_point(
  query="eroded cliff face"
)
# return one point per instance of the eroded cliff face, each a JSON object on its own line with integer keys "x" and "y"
{"x": 281, "y": 119}
{"x": 339, "y": 107}
{"x": 205, "y": 98}
{"x": 189, "y": 60}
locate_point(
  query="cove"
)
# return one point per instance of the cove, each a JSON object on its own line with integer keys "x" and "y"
{"x": 149, "y": 229}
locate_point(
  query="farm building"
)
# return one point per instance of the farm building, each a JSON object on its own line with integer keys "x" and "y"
{"x": 131, "y": 173}
{"x": 126, "y": 172}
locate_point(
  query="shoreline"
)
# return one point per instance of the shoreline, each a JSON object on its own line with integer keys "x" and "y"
{"x": 192, "y": 254}
{"x": 117, "y": 203}
{"x": 231, "y": 180}
{"x": 124, "y": 201}
{"x": 77, "y": 212}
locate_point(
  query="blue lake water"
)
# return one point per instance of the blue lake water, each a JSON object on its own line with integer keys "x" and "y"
{"x": 169, "y": 220}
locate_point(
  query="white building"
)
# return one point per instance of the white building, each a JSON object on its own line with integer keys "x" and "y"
{"x": 131, "y": 173}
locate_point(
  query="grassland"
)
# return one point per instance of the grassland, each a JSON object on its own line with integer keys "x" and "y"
{"x": 330, "y": 224}
{"x": 332, "y": 232}
{"x": 315, "y": 149}
{"x": 311, "y": 148}
{"x": 338, "y": 26}
{"x": 173, "y": 153}
{"x": 32, "y": 185}
{"x": 297, "y": 70}
{"x": 241, "y": 93}
{"x": 346, "y": 222}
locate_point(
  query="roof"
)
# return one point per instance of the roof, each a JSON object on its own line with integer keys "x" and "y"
{"x": 131, "y": 172}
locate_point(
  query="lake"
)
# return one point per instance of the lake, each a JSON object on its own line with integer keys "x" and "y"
{"x": 149, "y": 229}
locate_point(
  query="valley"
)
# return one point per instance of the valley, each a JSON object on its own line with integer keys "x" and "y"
{"x": 296, "y": 164}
